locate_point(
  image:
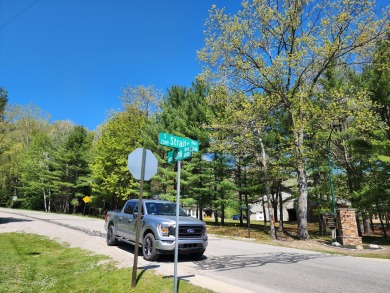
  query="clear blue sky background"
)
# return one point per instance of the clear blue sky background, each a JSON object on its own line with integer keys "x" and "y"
{"x": 72, "y": 57}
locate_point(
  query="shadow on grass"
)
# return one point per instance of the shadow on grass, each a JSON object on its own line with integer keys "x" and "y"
{"x": 162, "y": 259}
{"x": 144, "y": 269}
{"x": 378, "y": 240}
{"x": 179, "y": 278}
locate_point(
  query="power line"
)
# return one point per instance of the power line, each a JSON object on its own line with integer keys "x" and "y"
{"x": 20, "y": 13}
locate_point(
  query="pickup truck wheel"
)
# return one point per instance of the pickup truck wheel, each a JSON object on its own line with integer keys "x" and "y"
{"x": 111, "y": 239}
{"x": 149, "y": 247}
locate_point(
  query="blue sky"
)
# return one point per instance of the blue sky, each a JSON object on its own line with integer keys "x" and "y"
{"x": 72, "y": 57}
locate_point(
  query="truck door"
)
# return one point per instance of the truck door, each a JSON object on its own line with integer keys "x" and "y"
{"x": 132, "y": 227}
{"x": 125, "y": 219}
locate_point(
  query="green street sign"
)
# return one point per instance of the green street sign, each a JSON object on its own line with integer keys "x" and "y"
{"x": 179, "y": 154}
{"x": 178, "y": 142}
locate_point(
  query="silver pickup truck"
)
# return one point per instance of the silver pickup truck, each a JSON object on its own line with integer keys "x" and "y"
{"x": 157, "y": 233}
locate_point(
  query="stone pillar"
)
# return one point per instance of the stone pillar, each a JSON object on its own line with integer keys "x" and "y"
{"x": 347, "y": 229}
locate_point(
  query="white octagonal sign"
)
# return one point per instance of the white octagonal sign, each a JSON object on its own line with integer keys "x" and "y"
{"x": 134, "y": 164}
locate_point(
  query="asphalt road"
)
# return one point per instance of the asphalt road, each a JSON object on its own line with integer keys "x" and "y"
{"x": 228, "y": 265}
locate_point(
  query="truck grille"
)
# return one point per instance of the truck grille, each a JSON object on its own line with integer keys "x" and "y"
{"x": 190, "y": 231}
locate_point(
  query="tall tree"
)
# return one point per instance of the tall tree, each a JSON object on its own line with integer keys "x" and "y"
{"x": 378, "y": 76}
{"x": 19, "y": 126}
{"x": 73, "y": 157}
{"x": 3, "y": 102}
{"x": 184, "y": 113}
{"x": 239, "y": 128}
{"x": 371, "y": 151}
{"x": 35, "y": 173}
{"x": 3, "y": 146}
{"x": 144, "y": 98}
{"x": 282, "y": 48}
{"x": 117, "y": 138}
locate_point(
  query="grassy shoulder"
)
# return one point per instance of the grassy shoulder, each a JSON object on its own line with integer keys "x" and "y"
{"x": 287, "y": 238}
{"x": 32, "y": 263}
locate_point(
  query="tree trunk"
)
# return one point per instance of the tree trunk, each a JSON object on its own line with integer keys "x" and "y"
{"x": 380, "y": 219}
{"x": 280, "y": 212}
{"x": 383, "y": 227}
{"x": 240, "y": 203}
{"x": 264, "y": 213}
{"x": 44, "y": 199}
{"x": 366, "y": 224}
{"x": 302, "y": 204}
{"x": 358, "y": 223}
{"x": 303, "y": 233}
{"x": 322, "y": 225}
{"x": 372, "y": 222}
{"x": 268, "y": 190}
{"x": 223, "y": 215}
{"x": 275, "y": 206}
{"x": 48, "y": 208}
{"x": 216, "y": 218}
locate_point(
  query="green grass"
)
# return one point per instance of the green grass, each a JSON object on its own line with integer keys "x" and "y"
{"x": 31, "y": 263}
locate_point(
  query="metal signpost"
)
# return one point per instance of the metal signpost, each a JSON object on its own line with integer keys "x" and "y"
{"x": 331, "y": 223}
{"x": 142, "y": 164}
{"x": 86, "y": 199}
{"x": 183, "y": 149}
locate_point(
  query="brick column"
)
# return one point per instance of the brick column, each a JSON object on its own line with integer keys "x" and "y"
{"x": 347, "y": 229}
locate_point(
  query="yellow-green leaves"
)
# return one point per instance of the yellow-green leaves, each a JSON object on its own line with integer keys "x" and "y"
{"x": 283, "y": 49}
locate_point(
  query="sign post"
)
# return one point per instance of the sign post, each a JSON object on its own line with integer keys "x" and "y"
{"x": 330, "y": 220}
{"x": 183, "y": 149}
{"x": 177, "y": 227}
{"x": 86, "y": 199}
{"x": 142, "y": 164}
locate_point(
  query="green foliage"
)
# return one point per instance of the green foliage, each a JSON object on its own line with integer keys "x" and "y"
{"x": 184, "y": 113}
{"x": 3, "y": 102}
{"x": 73, "y": 157}
{"x": 118, "y": 137}
{"x": 282, "y": 51}
{"x": 283, "y": 86}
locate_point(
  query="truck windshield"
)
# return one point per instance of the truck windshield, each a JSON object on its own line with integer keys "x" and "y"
{"x": 167, "y": 209}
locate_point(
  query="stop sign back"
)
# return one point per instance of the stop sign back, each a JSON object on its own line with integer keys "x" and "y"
{"x": 134, "y": 164}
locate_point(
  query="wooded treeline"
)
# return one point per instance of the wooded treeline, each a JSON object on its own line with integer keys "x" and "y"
{"x": 293, "y": 94}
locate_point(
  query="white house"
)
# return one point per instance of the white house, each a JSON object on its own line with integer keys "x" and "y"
{"x": 289, "y": 213}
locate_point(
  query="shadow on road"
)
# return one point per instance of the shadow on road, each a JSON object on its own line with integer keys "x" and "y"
{"x": 232, "y": 262}
{"x": 163, "y": 258}
{"x": 12, "y": 220}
